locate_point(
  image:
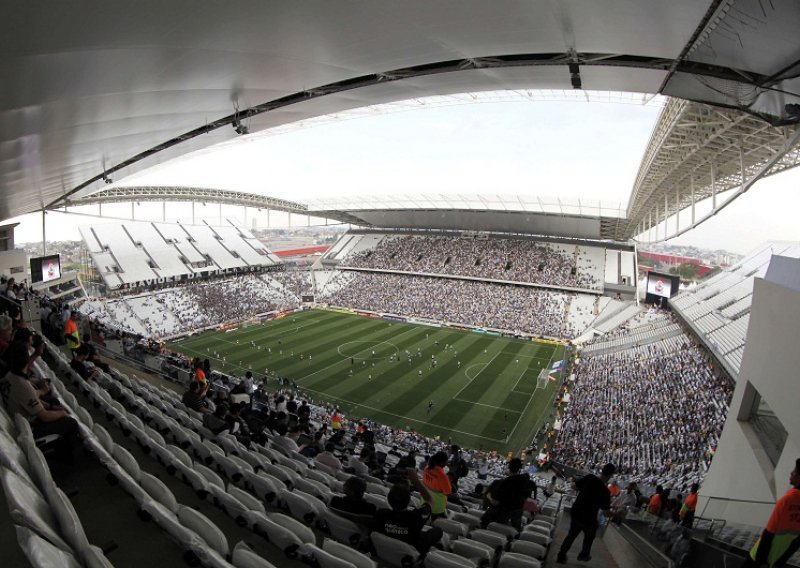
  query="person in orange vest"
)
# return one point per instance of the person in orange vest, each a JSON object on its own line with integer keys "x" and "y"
{"x": 780, "y": 539}
{"x": 689, "y": 506}
{"x": 614, "y": 489}
{"x": 656, "y": 502}
{"x": 71, "y": 334}
{"x": 438, "y": 483}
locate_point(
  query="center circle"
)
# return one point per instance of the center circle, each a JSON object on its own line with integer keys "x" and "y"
{"x": 351, "y": 349}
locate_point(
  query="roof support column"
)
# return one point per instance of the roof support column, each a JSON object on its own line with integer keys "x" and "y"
{"x": 713, "y": 188}
{"x": 658, "y": 222}
{"x": 44, "y": 239}
{"x": 164, "y": 211}
{"x": 666, "y": 214}
{"x": 220, "y": 214}
{"x": 192, "y": 212}
{"x": 741, "y": 162}
{"x": 133, "y": 211}
{"x": 691, "y": 181}
{"x": 677, "y": 211}
{"x": 244, "y": 211}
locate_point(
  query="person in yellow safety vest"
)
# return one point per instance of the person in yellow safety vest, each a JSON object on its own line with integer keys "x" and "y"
{"x": 71, "y": 334}
{"x": 438, "y": 483}
{"x": 781, "y": 537}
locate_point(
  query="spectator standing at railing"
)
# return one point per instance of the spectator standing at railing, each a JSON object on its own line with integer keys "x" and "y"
{"x": 780, "y": 539}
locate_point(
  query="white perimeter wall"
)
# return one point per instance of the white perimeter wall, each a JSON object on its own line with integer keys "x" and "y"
{"x": 742, "y": 485}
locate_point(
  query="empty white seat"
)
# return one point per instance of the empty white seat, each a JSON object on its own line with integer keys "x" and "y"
{"x": 516, "y": 560}
{"x": 301, "y": 505}
{"x": 211, "y": 476}
{"x": 451, "y": 527}
{"x": 208, "y": 531}
{"x": 481, "y": 553}
{"x": 538, "y": 528}
{"x": 344, "y": 530}
{"x": 378, "y": 500}
{"x": 230, "y": 467}
{"x": 244, "y": 557}
{"x": 278, "y": 534}
{"x": 534, "y": 536}
{"x": 314, "y": 488}
{"x": 471, "y": 521}
{"x": 496, "y": 541}
{"x": 40, "y": 472}
{"x": 180, "y": 455}
{"x": 127, "y": 461}
{"x": 325, "y": 559}
{"x": 246, "y": 498}
{"x": 506, "y": 530}
{"x": 441, "y": 559}
{"x": 28, "y": 508}
{"x": 263, "y": 485}
{"x": 529, "y": 548}
{"x": 158, "y": 491}
{"x": 347, "y": 553}
{"x": 229, "y": 504}
{"x": 72, "y": 530}
{"x": 40, "y": 552}
{"x": 394, "y": 552}
{"x": 12, "y": 457}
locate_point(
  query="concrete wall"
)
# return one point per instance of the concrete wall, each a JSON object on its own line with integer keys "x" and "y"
{"x": 742, "y": 484}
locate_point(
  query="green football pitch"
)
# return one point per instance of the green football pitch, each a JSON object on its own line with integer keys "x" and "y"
{"x": 483, "y": 388}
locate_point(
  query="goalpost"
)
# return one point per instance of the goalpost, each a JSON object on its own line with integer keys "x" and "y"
{"x": 541, "y": 381}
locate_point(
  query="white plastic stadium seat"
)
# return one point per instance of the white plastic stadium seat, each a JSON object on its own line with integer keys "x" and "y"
{"x": 277, "y": 534}
{"x": 73, "y": 532}
{"x": 325, "y": 559}
{"x": 158, "y": 491}
{"x": 496, "y": 541}
{"x": 529, "y": 548}
{"x": 40, "y": 552}
{"x": 481, "y": 553}
{"x": 394, "y": 552}
{"x": 347, "y": 553}
{"x": 208, "y": 531}
{"x": 28, "y": 508}
{"x": 344, "y": 530}
{"x": 516, "y": 560}
{"x": 244, "y": 557}
{"x": 441, "y": 559}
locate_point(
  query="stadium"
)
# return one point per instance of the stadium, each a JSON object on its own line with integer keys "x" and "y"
{"x": 191, "y": 388}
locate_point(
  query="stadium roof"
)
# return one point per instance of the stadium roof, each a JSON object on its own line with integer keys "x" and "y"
{"x": 95, "y": 90}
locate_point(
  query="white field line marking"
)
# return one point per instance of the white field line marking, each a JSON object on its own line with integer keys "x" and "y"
{"x": 488, "y": 405}
{"x": 324, "y": 394}
{"x": 476, "y": 376}
{"x": 346, "y": 358}
{"x": 525, "y": 410}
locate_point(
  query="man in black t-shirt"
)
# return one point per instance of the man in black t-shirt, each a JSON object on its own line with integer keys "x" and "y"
{"x": 406, "y": 524}
{"x": 593, "y": 496}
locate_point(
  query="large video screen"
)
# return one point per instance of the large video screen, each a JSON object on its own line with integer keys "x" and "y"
{"x": 45, "y": 268}
{"x": 659, "y": 285}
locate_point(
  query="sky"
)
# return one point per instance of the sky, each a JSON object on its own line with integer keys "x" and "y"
{"x": 561, "y": 148}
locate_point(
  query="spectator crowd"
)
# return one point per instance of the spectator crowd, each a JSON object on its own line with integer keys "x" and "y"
{"x": 513, "y": 260}
{"x": 657, "y": 411}
{"x": 482, "y": 304}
